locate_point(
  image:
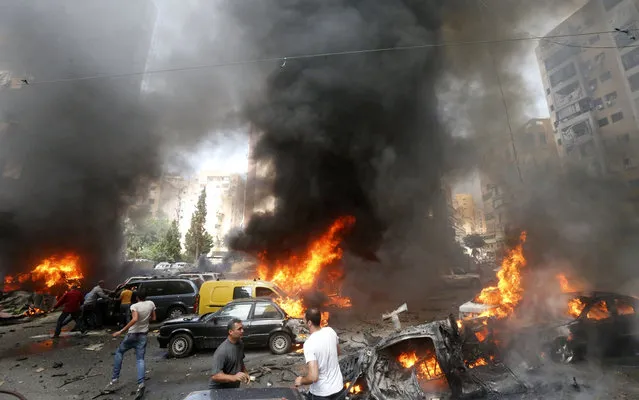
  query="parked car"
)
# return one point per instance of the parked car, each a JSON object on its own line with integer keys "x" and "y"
{"x": 216, "y": 294}
{"x": 265, "y": 325}
{"x": 204, "y": 276}
{"x": 173, "y": 297}
{"x": 162, "y": 265}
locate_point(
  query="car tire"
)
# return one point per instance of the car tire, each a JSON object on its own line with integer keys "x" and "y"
{"x": 180, "y": 345}
{"x": 175, "y": 312}
{"x": 280, "y": 343}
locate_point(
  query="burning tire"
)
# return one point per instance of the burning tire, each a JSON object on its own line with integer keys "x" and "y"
{"x": 280, "y": 343}
{"x": 175, "y": 312}
{"x": 180, "y": 345}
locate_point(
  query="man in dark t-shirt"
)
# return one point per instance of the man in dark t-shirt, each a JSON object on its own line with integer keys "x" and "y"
{"x": 228, "y": 360}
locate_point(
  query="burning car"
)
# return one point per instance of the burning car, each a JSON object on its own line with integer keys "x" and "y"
{"x": 431, "y": 361}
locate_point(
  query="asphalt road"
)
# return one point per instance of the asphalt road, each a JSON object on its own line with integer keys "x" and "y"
{"x": 28, "y": 355}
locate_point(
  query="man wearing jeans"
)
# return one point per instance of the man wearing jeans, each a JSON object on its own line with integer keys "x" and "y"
{"x": 142, "y": 313}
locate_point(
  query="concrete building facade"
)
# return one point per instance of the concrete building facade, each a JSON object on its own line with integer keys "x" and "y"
{"x": 592, "y": 88}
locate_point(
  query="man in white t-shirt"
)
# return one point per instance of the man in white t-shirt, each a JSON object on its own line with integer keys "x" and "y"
{"x": 142, "y": 313}
{"x": 321, "y": 351}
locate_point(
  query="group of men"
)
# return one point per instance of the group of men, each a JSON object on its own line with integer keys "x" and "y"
{"x": 321, "y": 352}
{"x": 321, "y": 349}
{"x": 79, "y": 308}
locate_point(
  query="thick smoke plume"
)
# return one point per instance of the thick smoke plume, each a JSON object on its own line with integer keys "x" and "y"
{"x": 83, "y": 149}
{"x": 347, "y": 135}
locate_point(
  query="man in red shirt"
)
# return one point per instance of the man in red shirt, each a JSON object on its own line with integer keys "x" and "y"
{"x": 72, "y": 301}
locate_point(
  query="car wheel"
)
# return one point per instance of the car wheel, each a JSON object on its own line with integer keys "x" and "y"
{"x": 175, "y": 312}
{"x": 563, "y": 352}
{"x": 180, "y": 345}
{"x": 280, "y": 343}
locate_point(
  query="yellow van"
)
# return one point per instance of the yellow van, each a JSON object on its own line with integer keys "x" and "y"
{"x": 216, "y": 294}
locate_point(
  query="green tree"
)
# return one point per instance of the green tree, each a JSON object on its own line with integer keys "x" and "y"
{"x": 170, "y": 245}
{"x": 197, "y": 240}
{"x": 144, "y": 238}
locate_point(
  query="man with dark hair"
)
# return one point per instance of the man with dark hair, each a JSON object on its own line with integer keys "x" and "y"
{"x": 228, "y": 360}
{"x": 72, "y": 301}
{"x": 142, "y": 313}
{"x": 321, "y": 351}
{"x": 90, "y": 308}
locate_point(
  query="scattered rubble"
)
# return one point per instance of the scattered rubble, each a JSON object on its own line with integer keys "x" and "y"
{"x": 18, "y": 304}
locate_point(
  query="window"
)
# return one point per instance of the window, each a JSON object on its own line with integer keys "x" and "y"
{"x": 241, "y": 292}
{"x": 624, "y": 307}
{"x": 634, "y": 82}
{"x": 598, "y": 104}
{"x": 552, "y": 108}
{"x": 560, "y": 57}
{"x": 542, "y": 138}
{"x": 610, "y": 99}
{"x": 616, "y": 117}
{"x": 563, "y": 75}
{"x": 154, "y": 288}
{"x": 266, "y": 311}
{"x": 603, "y": 122}
{"x": 630, "y": 59}
{"x": 598, "y": 311}
{"x": 625, "y": 138}
{"x": 264, "y": 292}
{"x": 609, "y": 4}
{"x": 605, "y": 76}
{"x": 239, "y": 311}
{"x": 623, "y": 39}
{"x": 178, "y": 287}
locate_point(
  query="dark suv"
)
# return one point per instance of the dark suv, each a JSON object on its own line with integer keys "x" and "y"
{"x": 172, "y": 297}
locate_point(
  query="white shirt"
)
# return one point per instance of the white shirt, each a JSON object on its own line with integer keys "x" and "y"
{"x": 144, "y": 310}
{"x": 321, "y": 346}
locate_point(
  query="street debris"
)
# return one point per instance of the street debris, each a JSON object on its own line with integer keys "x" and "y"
{"x": 394, "y": 316}
{"x": 95, "y": 347}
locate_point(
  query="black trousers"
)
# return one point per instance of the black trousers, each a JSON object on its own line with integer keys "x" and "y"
{"x": 341, "y": 395}
{"x": 61, "y": 321}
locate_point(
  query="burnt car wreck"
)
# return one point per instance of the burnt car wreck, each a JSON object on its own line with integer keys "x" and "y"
{"x": 432, "y": 361}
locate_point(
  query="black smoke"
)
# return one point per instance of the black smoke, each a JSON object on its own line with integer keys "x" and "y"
{"x": 346, "y": 135}
{"x": 76, "y": 153}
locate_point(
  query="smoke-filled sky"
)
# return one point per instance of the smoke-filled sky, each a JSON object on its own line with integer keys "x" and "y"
{"x": 367, "y": 134}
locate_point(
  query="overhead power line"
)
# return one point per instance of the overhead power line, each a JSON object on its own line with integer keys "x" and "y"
{"x": 284, "y": 59}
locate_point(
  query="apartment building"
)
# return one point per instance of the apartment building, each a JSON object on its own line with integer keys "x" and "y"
{"x": 592, "y": 88}
{"x": 512, "y": 164}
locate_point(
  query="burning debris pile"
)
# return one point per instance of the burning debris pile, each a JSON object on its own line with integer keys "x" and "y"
{"x": 33, "y": 293}
{"x": 311, "y": 279}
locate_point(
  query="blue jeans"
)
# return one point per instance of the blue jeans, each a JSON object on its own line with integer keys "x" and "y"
{"x": 135, "y": 341}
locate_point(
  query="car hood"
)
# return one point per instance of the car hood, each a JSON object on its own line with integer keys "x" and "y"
{"x": 184, "y": 318}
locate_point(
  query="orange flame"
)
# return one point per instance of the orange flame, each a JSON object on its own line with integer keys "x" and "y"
{"x": 427, "y": 368}
{"x": 298, "y": 274}
{"x": 50, "y": 272}
{"x": 598, "y": 311}
{"x": 478, "y": 363}
{"x": 33, "y": 311}
{"x": 575, "y": 307}
{"x": 354, "y": 389}
{"x": 508, "y": 292}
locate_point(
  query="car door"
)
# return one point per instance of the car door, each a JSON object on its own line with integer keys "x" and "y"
{"x": 156, "y": 291}
{"x": 599, "y": 327}
{"x": 217, "y": 325}
{"x": 624, "y": 313}
{"x": 264, "y": 319}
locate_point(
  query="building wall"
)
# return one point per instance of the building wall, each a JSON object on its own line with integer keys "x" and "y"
{"x": 593, "y": 91}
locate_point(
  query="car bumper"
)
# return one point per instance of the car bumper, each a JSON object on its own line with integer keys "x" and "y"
{"x": 164, "y": 341}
